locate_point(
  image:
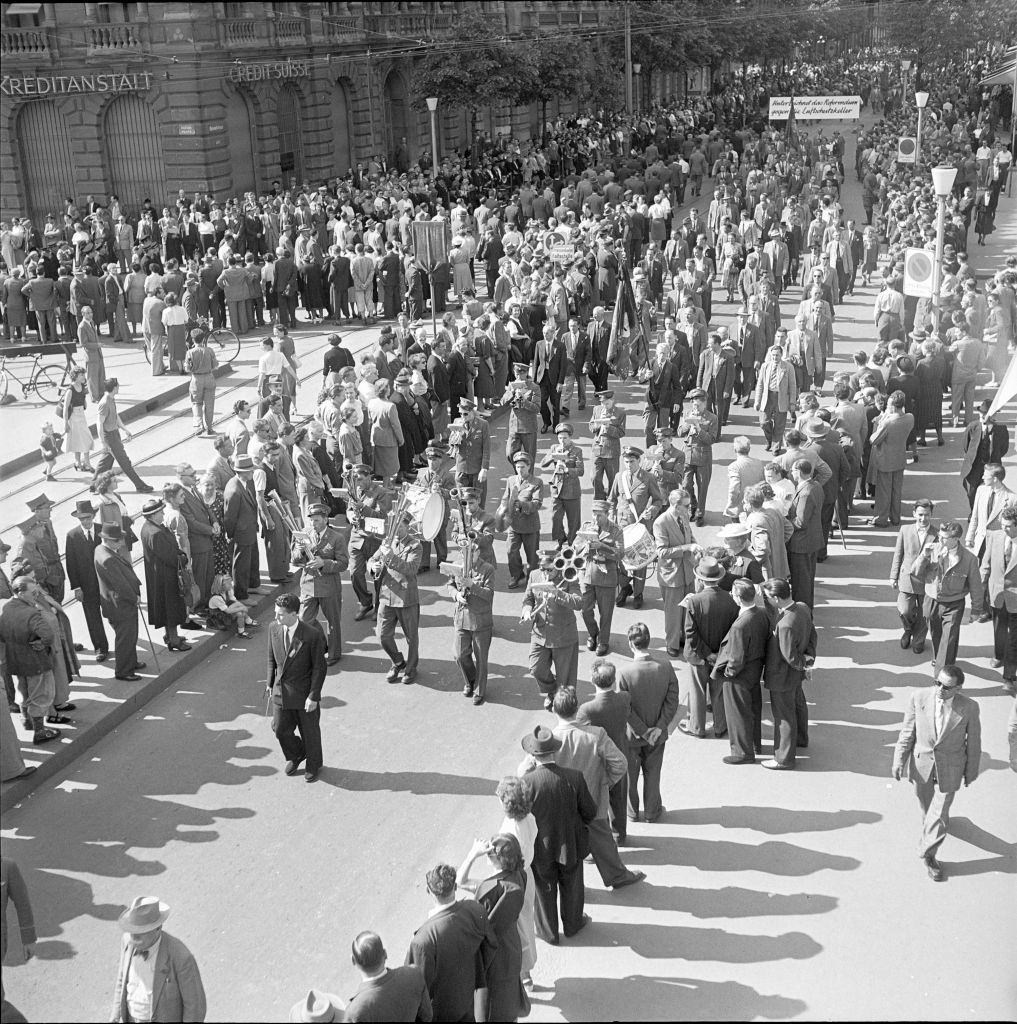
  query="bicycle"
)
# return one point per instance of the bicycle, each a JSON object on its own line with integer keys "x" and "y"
{"x": 221, "y": 338}
{"x": 46, "y": 380}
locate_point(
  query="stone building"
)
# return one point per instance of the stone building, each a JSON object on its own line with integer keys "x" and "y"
{"x": 139, "y": 100}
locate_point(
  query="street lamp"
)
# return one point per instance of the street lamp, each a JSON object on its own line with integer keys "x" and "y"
{"x": 942, "y": 182}
{"x": 921, "y": 99}
{"x": 432, "y": 106}
{"x": 636, "y": 68}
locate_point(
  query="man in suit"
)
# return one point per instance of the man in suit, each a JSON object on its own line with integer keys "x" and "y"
{"x": 751, "y": 350}
{"x": 790, "y": 653}
{"x": 938, "y": 748}
{"x": 562, "y": 809}
{"x": 635, "y": 497}
{"x": 888, "y": 445}
{"x": 991, "y": 497}
{"x": 386, "y": 993}
{"x": 827, "y": 445}
{"x": 805, "y": 515}
{"x": 296, "y": 672}
{"x": 95, "y": 366}
{"x": 776, "y": 395}
{"x": 609, "y": 709}
{"x": 672, "y": 534}
{"x": 158, "y": 978}
{"x": 999, "y": 573}
{"x": 240, "y": 520}
{"x": 739, "y": 668}
{"x": 652, "y": 688}
{"x": 701, "y": 429}
{"x": 453, "y": 948}
{"x": 910, "y": 588}
{"x": 985, "y": 441}
{"x": 200, "y": 532}
{"x": 709, "y": 614}
{"x": 323, "y": 557}
{"x": 589, "y": 750}
{"x": 950, "y": 573}
{"x": 80, "y": 547}
{"x": 743, "y": 472}
{"x": 39, "y": 547}
{"x": 119, "y": 596}
{"x": 548, "y": 368}
{"x": 716, "y": 376}
{"x": 599, "y": 334}
{"x": 660, "y": 389}
{"x": 473, "y": 621}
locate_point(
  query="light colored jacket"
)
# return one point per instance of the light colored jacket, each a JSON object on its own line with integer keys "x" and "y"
{"x": 954, "y": 756}
{"x": 177, "y": 991}
{"x": 589, "y": 750}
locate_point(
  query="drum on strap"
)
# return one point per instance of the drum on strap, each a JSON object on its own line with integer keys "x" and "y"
{"x": 638, "y": 548}
{"x": 427, "y": 510}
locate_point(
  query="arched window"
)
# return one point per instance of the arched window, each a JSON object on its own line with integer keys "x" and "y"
{"x": 47, "y": 166}
{"x": 342, "y": 128}
{"x": 291, "y": 159}
{"x": 240, "y": 125}
{"x": 397, "y": 119}
{"x": 135, "y": 166}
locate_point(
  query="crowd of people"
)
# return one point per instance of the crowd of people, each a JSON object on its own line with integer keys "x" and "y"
{"x": 592, "y": 271}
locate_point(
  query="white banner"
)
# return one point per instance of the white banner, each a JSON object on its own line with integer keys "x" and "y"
{"x": 815, "y": 108}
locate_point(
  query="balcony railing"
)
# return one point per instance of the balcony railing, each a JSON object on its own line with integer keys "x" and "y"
{"x": 338, "y": 29}
{"x": 240, "y": 32}
{"x": 408, "y": 24}
{"x": 290, "y": 30}
{"x": 111, "y": 39}
{"x": 33, "y": 43}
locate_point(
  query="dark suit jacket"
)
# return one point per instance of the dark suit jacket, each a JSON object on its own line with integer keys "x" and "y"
{"x": 286, "y": 282}
{"x": 297, "y": 672}
{"x": 400, "y": 994}
{"x": 240, "y": 512}
{"x": 610, "y": 710}
{"x": 709, "y": 616}
{"x": 600, "y": 336}
{"x": 80, "y": 550}
{"x": 458, "y": 375}
{"x": 562, "y": 807}
{"x": 438, "y": 376}
{"x": 725, "y": 377}
{"x": 793, "y": 637}
{"x": 119, "y": 586}
{"x": 741, "y": 656}
{"x": 652, "y": 688}
{"x": 805, "y": 515}
{"x": 454, "y": 949}
{"x": 549, "y": 362}
{"x": 199, "y": 523}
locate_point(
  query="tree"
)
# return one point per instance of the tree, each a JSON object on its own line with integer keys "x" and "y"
{"x": 552, "y": 67}
{"x": 481, "y": 69}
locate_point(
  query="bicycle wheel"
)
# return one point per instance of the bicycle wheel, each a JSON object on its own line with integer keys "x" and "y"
{"x": 227, "y": 343}
{"x": 5, "y": 383}
{"x": 48, "y": 383}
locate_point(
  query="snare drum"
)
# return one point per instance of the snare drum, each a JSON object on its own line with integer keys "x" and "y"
{"x": 638, "y": 548}
{"x": 427, "y": 510}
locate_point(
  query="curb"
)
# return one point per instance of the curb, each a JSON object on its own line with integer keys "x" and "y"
{"x": 128, "y": 415}
{"x": 66, "y": 753}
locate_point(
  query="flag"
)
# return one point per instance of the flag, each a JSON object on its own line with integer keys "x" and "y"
{"x": 1007, "y": 387}
{"x": 792, "y": 127}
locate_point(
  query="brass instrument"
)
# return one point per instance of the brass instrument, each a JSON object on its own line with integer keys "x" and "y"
{"x": 544, "y": 595}
{"x": 456, "y": 436}
{"x": 570, "y": 563}
{"x": 376, "y": 564}
{"x": 525, "y": 495}
{"x": 351, "y": 494}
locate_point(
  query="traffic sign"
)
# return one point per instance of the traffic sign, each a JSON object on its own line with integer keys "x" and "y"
{"x": 562, "y": 251}
{"x": 918, "y": 273}
{"x": 907, "y": 147}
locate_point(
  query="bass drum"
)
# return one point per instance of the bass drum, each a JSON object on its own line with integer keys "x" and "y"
{"x": 638, "y": 547}
{"x": 427, "y": 510}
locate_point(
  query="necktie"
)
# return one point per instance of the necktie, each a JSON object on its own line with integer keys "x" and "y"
{"x": 1007, "y": 551}
{"x": 992, "y": 502}
{"x": 143, "y": 953}
{"x": 941, "y": 713}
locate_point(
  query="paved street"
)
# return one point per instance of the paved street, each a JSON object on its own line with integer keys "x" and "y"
{"x": 767, "y": 896}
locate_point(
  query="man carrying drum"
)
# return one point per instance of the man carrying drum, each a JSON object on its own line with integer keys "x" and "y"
{"x": 367, "y": 510}
{"x": 602, "y": 545}
{"x": 636, "y": 500}
{"x": 437, "y": 479}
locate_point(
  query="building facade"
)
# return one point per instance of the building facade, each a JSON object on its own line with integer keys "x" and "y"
{"x": 139, "y": 100}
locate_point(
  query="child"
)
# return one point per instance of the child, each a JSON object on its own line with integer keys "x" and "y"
{"x": 51, "y": 445}
{"x": 223, "y": 603}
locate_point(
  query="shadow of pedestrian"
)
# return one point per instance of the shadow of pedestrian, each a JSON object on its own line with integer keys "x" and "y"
{"x": 773, "y": 820}
{"x": 418, "y": 783}
{"x": 1005, "y": 861}
{"x": 772, "y": 858}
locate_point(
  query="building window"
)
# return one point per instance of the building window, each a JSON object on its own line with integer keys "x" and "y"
{"x": 116, "y": 14}
{"x": 22, "y": 15}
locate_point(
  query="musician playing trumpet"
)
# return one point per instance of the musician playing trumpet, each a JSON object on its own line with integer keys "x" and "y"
{"x": 520, "y": 512}
{"x": 599, "y": 577}
{"x": 565, "y": 459}
{"x": 607, "y": 425}
{"x": 271, "y": 511}
{"x": 438, "y": 478}
{"x": 394, "y": 566}
{"x": 635, "y": 497}
{"x": 321, "y": 553}
{"x": 664, "y": 462}
{"x": 480, "y": 523}
{"x": 472, "y": 616}
{"x": 368, "y": 503}
{"x": 470, "y": 445}
{"x": 549, "y": 606}
{"x": 524, "y": 398}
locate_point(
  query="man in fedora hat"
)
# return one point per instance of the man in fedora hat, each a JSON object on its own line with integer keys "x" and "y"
{"x": 163, "y": 562}
{"x": 158, "y": 978}
{"x": 240, "y": 520}
{"x": 827, "y": 444}
{"x": 562, "y": 808}
{"x": 119, "y": 597}
{"x": 318, "y": 1007}
{"x": 80, "y": 546}
{"x": 386, "y": 993}
{"x": 709, "y": 614}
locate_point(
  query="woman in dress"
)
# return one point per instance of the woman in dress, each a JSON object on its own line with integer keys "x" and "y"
{"x": 386, "y": 433}
{"x": 174, "y": 318}
{"x": 222, "y": 556}
{"x": 516, "y": 798}
{"x": 483, "y": 385}
{"x": 462, "y": 275}
{"x": 109, "y": 507}
{"x": 870, "y": 252}
{"x": 77, "y": 437}
{"x": 351, "y": 445}
{"x": 134, "y": 293}
{"x": 501, "y": 894}
{"x": 984, "y": 222}
{"x": 310, "y": 480}
{"x": 169, "y": 225}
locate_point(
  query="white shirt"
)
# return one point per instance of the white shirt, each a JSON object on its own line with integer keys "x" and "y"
{"x": 942, "y": 715}
{"x": 272, "y": 363}
{"x": 140, "y": 981}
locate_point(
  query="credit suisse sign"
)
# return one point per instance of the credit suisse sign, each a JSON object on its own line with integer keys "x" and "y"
{"x": 264, "y": 72}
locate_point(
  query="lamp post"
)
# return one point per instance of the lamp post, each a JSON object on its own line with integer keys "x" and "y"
{"x": 432, "y": 106}
{"x": 636, "y": 68}
{"x": 921, "y": 99}
{"x": 942, "y": 181}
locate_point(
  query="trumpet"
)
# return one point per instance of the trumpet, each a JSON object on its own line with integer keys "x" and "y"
{"x": 456, "y": 435}
{"x": 376, "y": 564}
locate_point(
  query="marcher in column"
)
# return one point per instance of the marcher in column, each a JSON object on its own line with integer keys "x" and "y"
{"x": 394, "y": 565}
{"x": 549, "y": 606}
{"x": 323, "y": 556}
{"x": 473, "y": 621}
{"x": 911, "y": 541}
{"x": 999, "y": 572}
{"x": 599, "y": 577}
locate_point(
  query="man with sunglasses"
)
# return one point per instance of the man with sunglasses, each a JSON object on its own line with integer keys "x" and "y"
{"x": 938, "y": 748}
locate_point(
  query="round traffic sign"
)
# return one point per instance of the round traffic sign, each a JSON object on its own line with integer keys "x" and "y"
{"x": 919, "y": 266}
{"x": 906, "y": 147}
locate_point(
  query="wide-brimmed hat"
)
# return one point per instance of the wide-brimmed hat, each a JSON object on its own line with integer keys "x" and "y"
{"x": 709, "y": 570}
{"x": 145, "y": 914}
{"x": 152, "y": 506}
{"x": 111, "y": 531}
{"x": 318, "y": 1007}
{"x": 83, "y": 508}
{"x": 242, "y": 463}
{"x": 816, "y": 428}
{"x": 734, "y": 531}
{"x": 541, "y": 741}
